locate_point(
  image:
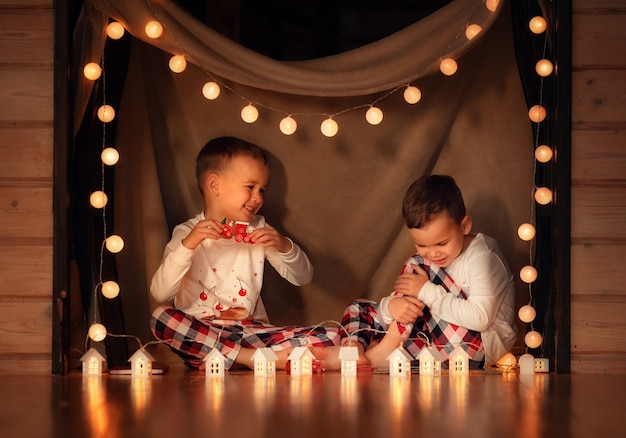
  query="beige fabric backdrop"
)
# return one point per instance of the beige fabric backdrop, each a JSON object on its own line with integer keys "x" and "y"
{"x": 339, "y": 197}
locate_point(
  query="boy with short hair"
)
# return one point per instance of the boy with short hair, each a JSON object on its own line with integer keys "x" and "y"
{"x": 457, "y": 289}
{"x": 214, "y": 279}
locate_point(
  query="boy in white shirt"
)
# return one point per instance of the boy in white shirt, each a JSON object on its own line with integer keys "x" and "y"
{"x": 213, "y": 273}
{"x": 457, "y": 289}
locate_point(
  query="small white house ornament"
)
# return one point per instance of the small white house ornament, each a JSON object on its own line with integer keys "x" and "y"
{"x": 399, "y": 363}
{"x": 430, "y": 360}
{"x": 214, "y": 364}
{"x": 92, "y": 363}
{"x": 264, "y": 362}
{"x": 141, "y": 363}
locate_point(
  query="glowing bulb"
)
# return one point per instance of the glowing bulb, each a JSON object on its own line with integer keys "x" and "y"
{"x": 97, "y": 332}
{"x": 533, "y": 339}
{"x": 412, "y": 94}
{"x": 211, "y": 90}
{"x": 114, "y": 243}
{"x": 92, "y": 71}
{"x": 506, "y": 362}
{"x": 249, "y": 113}
{"x": 543, "y": 153}
{"x": 153, "y": 29}
{"x": 472, "y": 30}
{"x": 374, "y": 115}
{"x": 537, "y": 113}
{"x": 178, "y": 63}
{"x": 537, "y": 25}
{"x": 110, "y": 156}
{"x": 544, "y": 67}
{"x": 492, "y": 5}
{"x": 528, "y": 274}
{"x": 98, "y": 199}
{"x": 329, "y": 127}
{"x": 106, "y": 113}
{"x": 115, "y": 30}
{"x": 543, "y": 196}
{"x": 526, "y": 232}
{"x": 448, "y": 66}
{"x": 527, "y": 313}
{"x": 288, "y": 125}
{"x": 110, "y": 289}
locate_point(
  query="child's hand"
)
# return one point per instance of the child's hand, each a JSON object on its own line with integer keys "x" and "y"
{"x": 205, "y": 229}
{"x": 411, "y": 283}
{"x": 269, "y": 237}
{"x": 405, "y": 309}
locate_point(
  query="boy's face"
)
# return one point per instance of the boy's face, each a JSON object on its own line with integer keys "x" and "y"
{"x": 239, "y": 188}
{"x": 441, "y": 240}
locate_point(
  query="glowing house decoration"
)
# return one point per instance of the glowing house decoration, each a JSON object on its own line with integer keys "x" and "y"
{"x": 141, "y": 363}
{"x": 430, "y": 361}
{"x": 542, "y": 365}
{"x": 214, "y": 364}
{"x": 264, "y": 362}
{"x": 92, "y": 363}
{"x": 526, "y": 364}
{"x": 399, "y": 363}
{"x": 349, "y": 355}
{"x": 301, "y": 362}
{"x": 458, "y": 362}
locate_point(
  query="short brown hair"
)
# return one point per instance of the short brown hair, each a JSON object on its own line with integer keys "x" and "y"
{"x": 218, "y": 152}
{"x": 432, "y": 196}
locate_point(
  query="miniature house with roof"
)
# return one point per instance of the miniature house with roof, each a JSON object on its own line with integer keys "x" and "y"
{"x": 349, "y": 355}
{"x": 399, "y": 363}
{"x": 141, "y": 363}
{"x": 92, "y": 363}
{"x": 301, "y": 361}
{"x": 458, "y": 361}
{"x": 430, "y": 360}
{"x": 526, "y": 364}
{"x": 264, "y": 362}
{"x": 214, "y": 364}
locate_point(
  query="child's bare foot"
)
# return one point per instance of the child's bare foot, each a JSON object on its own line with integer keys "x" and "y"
{"x": 378, "y": 354}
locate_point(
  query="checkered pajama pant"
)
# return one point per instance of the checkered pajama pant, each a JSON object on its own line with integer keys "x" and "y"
{"x": 192, "y": 338}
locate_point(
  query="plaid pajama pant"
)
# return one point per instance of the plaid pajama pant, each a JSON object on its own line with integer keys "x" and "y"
{"x": 360, "y": 321}
{"x": 192, "y": 338}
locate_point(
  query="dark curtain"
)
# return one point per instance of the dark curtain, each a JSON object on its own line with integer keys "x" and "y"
{"x": 338, "y": 197}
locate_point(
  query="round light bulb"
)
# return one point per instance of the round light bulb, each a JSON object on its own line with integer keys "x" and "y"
{"x": 528, "y": 274}
{"x": 115, "y": 30}
{"x": 492, "y": 5}
{"x": 329, "y": 127}
{"x": 98, "y": 199}
{"x": 544, "y": 67}
{"x": 110, "y": 156}
{"x": 412, "y": 94}
{"x": 92, "y": 71}
{"x": 527, "y": 313}
{"x": 537, "y": 113}
{"x": 249, "y": 113}
{"x": 114, "y": 243}
{"x": 448, "y": 66}
{"x": 211, "y": 90}
{"x": 106, "y": 113}
{"x": 506, "y": 362}
{"x": 533, "y": 339}
{"x": 374, "y": 115}
{"x": 178, "y": 63}
{"x": 543, "y": 153}
{"x": 154, "y": 29}
{"x": 472, "y": 31}
{"x": 543, "y": 196}
{"x": 537, "y": 25}
{"x": 288, "y": 125}
{"x": 97, "y": 332}
{"x": 110, "y": 289}
{"x": 526, "y": 232}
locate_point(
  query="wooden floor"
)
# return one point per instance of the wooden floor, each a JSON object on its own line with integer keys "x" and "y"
{"x": 184, "y": 403}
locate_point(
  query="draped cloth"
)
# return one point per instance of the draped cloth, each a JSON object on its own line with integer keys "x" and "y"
{"x": 338, "y": 197}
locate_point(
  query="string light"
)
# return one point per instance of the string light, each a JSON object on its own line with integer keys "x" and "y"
{"x": 178, "y": 63}
{"x": 249, "y": 113}
{"x": 374, "y": 116}
{"x": 106, "y": 113}
{"x": 211, "y": 90}
{"x": 537, "y": 113}
{"x": 115, "y": 30}
{"x": 543, "y": 153}
{"x": 153, "y": 29}
{"x": 114, "y": 243}
{"x": 412, "y": 94}
{"x": 92, "y": 71}
{"x": 288, "y": 125}
{"x": 110, "y": 156}
{"x": 329, "y": 127}
{"x": 448, "y": 66}
{"x": 543, "y": 195}
{"x": 526, "y": 232}
{"x": 98, "y": 199}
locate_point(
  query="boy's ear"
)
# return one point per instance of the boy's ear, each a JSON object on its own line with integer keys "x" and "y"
{"x": 466, "y": 224}
{"x": 213, "y": 184}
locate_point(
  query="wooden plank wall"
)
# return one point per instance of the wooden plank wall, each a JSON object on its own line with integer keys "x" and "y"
{"x": 598, "y": 186}
{"x": 26, "y": 164}
{"x": 598, "y": 276}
